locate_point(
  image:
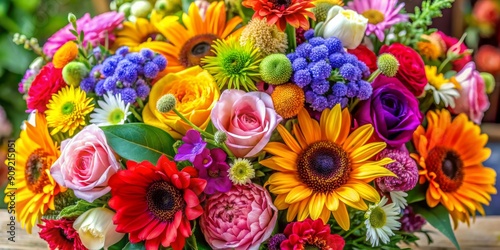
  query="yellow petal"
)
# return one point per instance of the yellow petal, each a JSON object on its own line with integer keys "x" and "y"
{"x": 297, "y": 194}
{"x": 358, "y": 138}
{"x": 334, "y": 124}
{"x": 316, "y": 204}
{"x": 332, "y": 201}
{"x": 292, "y": 212}
{"x": 288, "y": 139}
{"x": 367, "y": 151}
{"x": 280, "y": 164}
{"x": 303, "y": 212}
{"x": 364, "y": 190}
{"x": 280, "y": 149}
{"x": 370, "y": 172}
{"x": 342, "y": 217}
{"x": 280, "y": 203}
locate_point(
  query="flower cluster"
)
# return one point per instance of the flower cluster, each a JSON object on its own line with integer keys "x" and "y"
{"x": 204, "y": 129}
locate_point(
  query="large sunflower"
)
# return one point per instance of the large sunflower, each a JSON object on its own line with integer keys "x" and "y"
{"x": 193, "y": 41}
{"x": 451, "y": 155}
{"x": 35, "y": 187}
{"x": 325, "y": 167}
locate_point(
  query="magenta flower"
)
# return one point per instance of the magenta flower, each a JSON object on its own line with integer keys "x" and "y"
{"x": 381, "y": 15}
{"x": 203, "y": 160}
{"x": 410, "y": 221}
{"x": 95, "y": 29}
{"x": 403, "y": 166}
{"x": 216, "y": 173}
{"x": 193, "y": 146}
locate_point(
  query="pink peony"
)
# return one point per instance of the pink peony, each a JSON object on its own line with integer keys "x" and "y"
{"x": 94, "y": 30}
{"x": 242, "y": 218}
{"x": 86, "y": 164}
{"x": 248, "y": 119}
{"x": 473, "y": 99}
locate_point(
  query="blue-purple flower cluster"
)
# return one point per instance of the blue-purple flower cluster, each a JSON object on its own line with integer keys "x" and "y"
{"x": 327, "y": 73}
{"x": 126, "y": 73}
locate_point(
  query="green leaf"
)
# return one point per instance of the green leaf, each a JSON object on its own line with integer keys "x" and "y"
{"x": 136, "y": 246}
{"x": 120, "y": 244}
{"x": 438, "y": 217}
{"x": 76, "y": 210}
{"x": 139, "y": 142}
{"x": 416, "y": 194}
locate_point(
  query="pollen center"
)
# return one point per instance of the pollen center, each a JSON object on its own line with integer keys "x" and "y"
{"x": 164, "y": 200}
{"x": 196, "y": 48}
{"x": 67, "y": 108}
{"x": 373, "y": 16}
{"x": 116, "y": 116}
{"x": 35, "y": 174}
{"x": 447, "y": 166}
{"x": 323, "y": 166}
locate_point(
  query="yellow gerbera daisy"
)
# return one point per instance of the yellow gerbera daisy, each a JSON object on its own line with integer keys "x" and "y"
{"x": 35, "y": 188}
{"x": 67, "y": 110}
{"x": 191, "y": 42}
{"x": 324, "y": 168}
{"x": 451, "y": 155}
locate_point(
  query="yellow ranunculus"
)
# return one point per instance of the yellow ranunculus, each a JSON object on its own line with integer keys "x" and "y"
{"x": 346, "y": 25}
{"x": 196, "y": 93}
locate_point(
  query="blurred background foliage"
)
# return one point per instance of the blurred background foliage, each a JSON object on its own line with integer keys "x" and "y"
{"x": 33, "y": 18}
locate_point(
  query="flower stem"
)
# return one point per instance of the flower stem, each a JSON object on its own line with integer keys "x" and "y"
{"x": 222, "y": 145}
{"x": 443, "y": 64}
{"x": 374, "y": 75}
{"x": 355, "y": 229}
{"x": 136, "y": 115}
{"x": 203, "y": 132}
{"x": 140, "y": 102}
{"x": 292, "y": 41}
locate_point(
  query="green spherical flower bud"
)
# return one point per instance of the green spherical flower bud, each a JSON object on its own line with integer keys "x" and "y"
{"x": 161, "y": 5}
{"x": 388, "y": 64}
{"x": 276, "y": 69}
{"x": 71, "y": 18}
{"x": 220, "y": 137}
{"x": 166, "y": 103}
{"x": 125, "y": 9}
{"x": 321, "y": 11}
{"x": 489, "y": 81}
{"x": 140, "y": 9}
{"x": 74, "y": 72}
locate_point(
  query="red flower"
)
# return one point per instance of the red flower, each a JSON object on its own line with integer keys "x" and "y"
{"x": 60, "y": 234}
{"x": 365, "y": 55}
{"x": 45, "y": 84}
{"x": 156, "y": 203}
{"x": 488, "y": 59}
{"x": 411, "y": 70}
{"x": 449, "y": 42}
{"x": 311, "y": 233}
{"x": 281, "y": 12}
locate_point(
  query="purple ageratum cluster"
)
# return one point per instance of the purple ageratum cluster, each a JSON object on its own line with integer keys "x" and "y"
{"x": 328, "y": 74}
{"x": 126, "y": 73}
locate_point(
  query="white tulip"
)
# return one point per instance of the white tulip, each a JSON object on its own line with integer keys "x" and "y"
{"x": 96, "y": 229}
{"x": 346, "y": 25}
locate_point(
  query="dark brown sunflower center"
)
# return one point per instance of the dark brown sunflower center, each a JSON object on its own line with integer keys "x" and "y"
{"x": 447, "y": 166}
{"x": 34, "y": 171}
{"x": 323, "y": 166}
{"x": 164, "y": 200}
{"x": 196, "y": 48}
{"x": 281, "y": 4}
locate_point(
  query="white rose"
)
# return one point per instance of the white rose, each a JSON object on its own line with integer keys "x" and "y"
{"x": 346, "y": 25}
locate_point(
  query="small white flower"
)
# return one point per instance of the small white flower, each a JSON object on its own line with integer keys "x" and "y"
{"x": 111, "y": 111}
{"x": 381, "y": 220}
{"x": 346, "y": 25}
{"x": 399, "y": 198}
{"x": 96, "y": 229}
{"x": 447, "y": 94}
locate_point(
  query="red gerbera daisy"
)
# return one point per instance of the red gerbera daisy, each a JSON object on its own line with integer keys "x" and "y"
{"x": 312, "y": 233}
{"x": 156, "y": 203}
{"x": 60, "y": 234}
{"x": 281, "y": 12}
{"x": 48, "y": 82}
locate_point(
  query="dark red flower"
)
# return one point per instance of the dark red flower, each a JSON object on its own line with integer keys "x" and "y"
{"x": 45, "y": 84}
{"x": 156, "y": 203}
{"x": 281, "y": 12}
{"x": 411, "y": 70}
{"x": 311, "y": 233}
{"x": 365, "y": 55}
{"x": 60, "y": 234}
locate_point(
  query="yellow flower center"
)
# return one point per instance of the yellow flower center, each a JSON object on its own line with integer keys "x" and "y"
{"x": 288, "y": 100}
{"x": 378, "y": 217}
{"x": 196, "y": 48}
{"x": 36, "y": 177}
{"x": 116, "y": 116}
{"x": 374, "y": 16}
{"x": 323, "y": 166}
{"x": 447, "y": 166}
{"x": 164, "y": 200}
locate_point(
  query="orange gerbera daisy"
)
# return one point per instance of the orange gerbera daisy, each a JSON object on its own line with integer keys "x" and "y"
{"x": 451, "y": 155}
{"x": 281, "y": 12}
{"x": 325, "y": 167}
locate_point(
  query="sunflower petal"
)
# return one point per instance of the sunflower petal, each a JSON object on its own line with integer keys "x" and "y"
{"x": 289, "y": 140}
{"x": 358, "y": 138}
{"x": 367, "y": 151}
{"x": 316, "y": 205}
{"x": 297, "y": 194}
{"x": 342, "y": 216}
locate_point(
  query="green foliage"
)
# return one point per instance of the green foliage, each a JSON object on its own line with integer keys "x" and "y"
{"x": 410, "y": 32}
{"x": 139, "y": 142}
{"x": 438, "y": 217}
{"x": 79, "y": 208}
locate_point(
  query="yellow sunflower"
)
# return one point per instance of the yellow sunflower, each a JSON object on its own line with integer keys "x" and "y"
{"x": 324, "y": 168}
{"x": 193, "y": 41}
{"x": 35, "y": 188}
{"x": 451, "y": 155}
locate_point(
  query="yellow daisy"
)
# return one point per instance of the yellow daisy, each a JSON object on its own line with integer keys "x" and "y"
{"x": 67, "y": 110}
{"x": 324, "y": 168}
{"x": 35, "y": 187}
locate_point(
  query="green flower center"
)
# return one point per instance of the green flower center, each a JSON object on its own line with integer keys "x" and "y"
{"x": 116, "y": 116}
{"x": 378, "y": 217}
{"x": 234, "y": 63}
{"x": 374, "y": 16}
{"x": 67, "y": 108}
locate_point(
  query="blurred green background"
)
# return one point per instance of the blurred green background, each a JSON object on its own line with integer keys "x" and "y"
{"x": 33, "y": 18}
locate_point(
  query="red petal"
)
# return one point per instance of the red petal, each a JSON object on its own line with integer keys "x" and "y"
{"x": 152, "y": 244}
{"x": 193, "y": 212}
{"x": 191, "y": 171}
{"x": 168, "y": 166}
{"x": 178, "y": 244}
{"x": 185, "y": 228}
{"x": 197, "y": 185}
{"x": 190, "y": 198}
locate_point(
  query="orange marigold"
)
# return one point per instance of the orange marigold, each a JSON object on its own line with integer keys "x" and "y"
{"x": 65, "y": 54}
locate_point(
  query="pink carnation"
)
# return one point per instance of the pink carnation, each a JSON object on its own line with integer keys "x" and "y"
{"x": 86, "y": 164}
{"x": 94, "y": 30}
{"x": 240, "y": 219}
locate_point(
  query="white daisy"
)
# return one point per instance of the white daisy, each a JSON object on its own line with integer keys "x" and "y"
{"x": 111, "y": 111}
{"x": 399, "y": 198}
{"x": 447, "y": 94}
{"x": 381, "y": 220}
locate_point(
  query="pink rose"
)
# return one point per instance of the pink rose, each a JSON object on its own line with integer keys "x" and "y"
{"x": 86, "y": 164}
{"x": 473, "y": 100}
{"x": 240, "y": 219}
{"x": 248, "y": 119}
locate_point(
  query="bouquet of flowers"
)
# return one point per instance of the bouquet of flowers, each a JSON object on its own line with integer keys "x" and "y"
{"x": 255, "y": 124}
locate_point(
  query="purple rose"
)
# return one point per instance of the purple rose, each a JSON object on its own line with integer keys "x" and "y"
{"x": 392, "y": 110}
